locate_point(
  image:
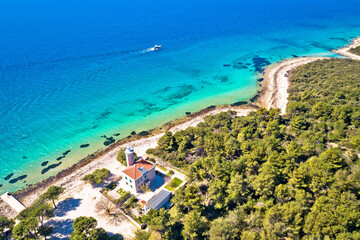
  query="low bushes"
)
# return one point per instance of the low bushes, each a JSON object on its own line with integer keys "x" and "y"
{"x": 98, "y": 176}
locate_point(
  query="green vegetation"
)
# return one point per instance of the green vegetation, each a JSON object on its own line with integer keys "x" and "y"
{"x": 85, "y": 228}
{"x": 162, "y": 168}
{"x": 170, "y": 173}
{"x": 267, "y": 176}
{"x": 130, "y": 201}
{"x": 173, "y": 184}
{"x": 121, "y": 157}
{"x": 123, "y": 195}
{"x": 98, "y": 176}
{"x": 145, "y": 188}
{"x": 32, "y": 219}
{"x": 53, "y": 193}
{"x": 5, "y": 224}
{"x": 355, "y": 50}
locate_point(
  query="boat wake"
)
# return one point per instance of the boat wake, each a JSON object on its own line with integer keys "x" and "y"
{"x": 123, "y": 54}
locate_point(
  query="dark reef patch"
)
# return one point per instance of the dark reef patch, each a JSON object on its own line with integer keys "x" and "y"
{"x": 8, "y": 176}
{"x": 210, "y": 107}
{"x": 260, "y": 79}
{"x": 95, "y": 126}
{"x": 48, "y": 168}
{"x": 260, "y": 63}
{"x": 43, "y": 164}
{"x": 116, "y": 134}
{"x": 133, "y": 133}
{"x": 59, "y": 158}
{"x": 182, "y": 91}
{"x": 295, "y": 56}
{"x": 163, "y": 90}
{"x": 1, "y": 185}
{"x": 338, "y": 38}
{"x": 224, "y": 78}
{"x": 227, "y": 65}
{"x": 254, "y": 98}
{"x": 25, "y": 157}
{"x": 109, "y": 141}
{"x": 322, "y": 46}
{"x": 205, "y": 82}
{"x": 104, "y": 114}
{"x": 66, "y": 153}
{"x": 84, "y": 145}
{"x": 239, "y": 65}
{"x": 239, "y": 103}
{"x": 144, "y": 133}
{"x": 187, "y": 113}
{"x": 221, "y": 78}
{"x": 15, "y": 180}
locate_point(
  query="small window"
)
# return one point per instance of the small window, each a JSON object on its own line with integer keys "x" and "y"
{"x": 127, "y": 183}
{"x": 130, "y": 181}
{"x": 145, "y": 176}
{"x": 125, "y": 177}
{"x": 131, "y": 186}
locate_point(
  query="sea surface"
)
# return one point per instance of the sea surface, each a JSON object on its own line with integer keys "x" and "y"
{"x": 77, "y": 75}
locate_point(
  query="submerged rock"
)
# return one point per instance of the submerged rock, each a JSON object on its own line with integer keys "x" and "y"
{"x": 8, "y": 176}
{"x": 239, "y": 103}
{"x": 116, "y": 134}
{"x": 17, "y": 179}
{"x": 59, "y": 158}
{"x": 187, "y": 113}
{"x": 109, "y": 141}
{"x": 48, "y": 168}
{"x": 260, "y": 63}
{"x": 67, "y": 152}
{"x": 84, "y": 145}
{"x": 227, "y": 65}
{"x": 43, "y": 164}
{"x": 144, "y": 133}
{"x": 133, "y": 133}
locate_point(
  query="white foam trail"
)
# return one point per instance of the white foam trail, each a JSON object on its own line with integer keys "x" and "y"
{"x": 147, "y": 50}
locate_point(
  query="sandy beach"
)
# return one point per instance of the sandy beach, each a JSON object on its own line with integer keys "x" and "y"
{"x": 276, "y": 82}
{"x": 345, "y": 51}
{"x": 273, "y": 95}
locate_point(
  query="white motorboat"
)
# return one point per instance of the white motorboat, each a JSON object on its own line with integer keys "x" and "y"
{"x": 156, "y": 47}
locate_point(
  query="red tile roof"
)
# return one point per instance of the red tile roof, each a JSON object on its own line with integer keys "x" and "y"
{"x": 133, "y": 171}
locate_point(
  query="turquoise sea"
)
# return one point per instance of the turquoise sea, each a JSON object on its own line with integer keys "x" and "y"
{"x": 80, "y": 72}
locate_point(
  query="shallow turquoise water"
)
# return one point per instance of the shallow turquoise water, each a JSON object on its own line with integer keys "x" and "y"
{"x": 71, "y": 73}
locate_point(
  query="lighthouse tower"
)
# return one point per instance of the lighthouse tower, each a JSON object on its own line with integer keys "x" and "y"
{"x": 129, "y": 153}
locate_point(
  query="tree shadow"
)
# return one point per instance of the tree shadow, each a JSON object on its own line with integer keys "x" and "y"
{"x": 62, "y": 229}
{"x": 66, "y": 206}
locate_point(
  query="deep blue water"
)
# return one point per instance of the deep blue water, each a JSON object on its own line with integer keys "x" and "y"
{"x": 74, "y": 71}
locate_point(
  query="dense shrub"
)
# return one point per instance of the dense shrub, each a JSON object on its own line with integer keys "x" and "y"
{"x": 98, "y": 176}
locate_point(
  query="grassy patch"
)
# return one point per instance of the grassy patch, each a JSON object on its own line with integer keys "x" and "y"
{"x": 162, "y": 168}
{"x": 173, "y": 184}
{"x": 111, "y": 186}
{"x": 171, "y": 172}
{"x": 123, "y": 194}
